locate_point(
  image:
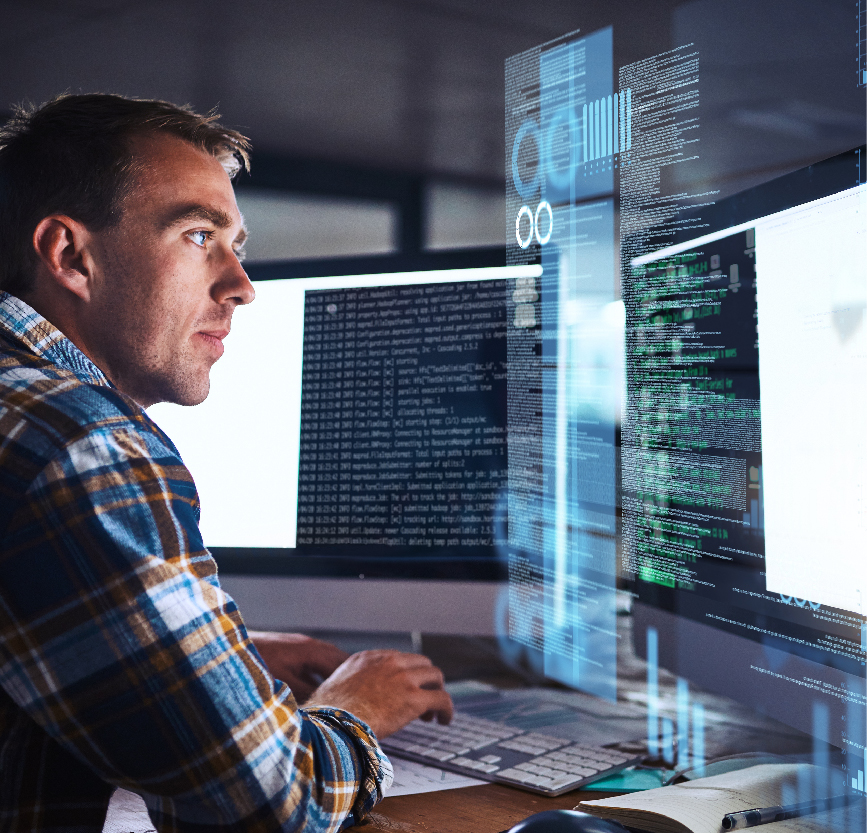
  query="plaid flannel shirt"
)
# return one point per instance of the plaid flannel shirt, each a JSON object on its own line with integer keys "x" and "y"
{"x": 122, "y": 662}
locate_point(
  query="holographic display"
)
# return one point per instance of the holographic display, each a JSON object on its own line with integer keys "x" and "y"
{"x": 642, "y": 399}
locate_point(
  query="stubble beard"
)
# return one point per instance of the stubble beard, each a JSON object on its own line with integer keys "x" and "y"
{"x": 139, "y": 352}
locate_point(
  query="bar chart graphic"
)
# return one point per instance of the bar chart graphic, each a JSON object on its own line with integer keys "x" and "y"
{"x": 607, "y": 126}
{"x": 858, "y": 779}
{"x": 689, "y": 751}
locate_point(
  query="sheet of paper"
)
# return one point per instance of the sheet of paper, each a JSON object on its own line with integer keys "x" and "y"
{"x": 411, "y": 778}
{"x": 127, "y": 814}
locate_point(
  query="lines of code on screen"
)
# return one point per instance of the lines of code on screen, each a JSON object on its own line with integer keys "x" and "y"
{"x": 691, "y": 458}
{"x": 403, "y": 436}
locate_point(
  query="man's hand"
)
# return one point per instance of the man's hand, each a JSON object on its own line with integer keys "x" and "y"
{"x": 300, "y": 661}
{"x": 386, "y": 689}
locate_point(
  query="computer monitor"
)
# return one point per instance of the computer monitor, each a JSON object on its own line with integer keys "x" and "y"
{"x": 351, "y": 457}
{"x": 743, "y": 452}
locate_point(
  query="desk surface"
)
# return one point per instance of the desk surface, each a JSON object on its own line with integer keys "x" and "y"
{"x": 488, "y": 808}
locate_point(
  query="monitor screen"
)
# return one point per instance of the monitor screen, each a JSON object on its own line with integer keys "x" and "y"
{"x": 357, "y": 425}
{"x": 743, "y": 454}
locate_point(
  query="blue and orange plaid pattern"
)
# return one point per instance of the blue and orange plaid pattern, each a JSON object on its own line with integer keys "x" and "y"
{"x": 122, "y": 662}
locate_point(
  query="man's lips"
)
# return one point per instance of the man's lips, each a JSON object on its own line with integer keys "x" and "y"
{"x": 214, "y": 338}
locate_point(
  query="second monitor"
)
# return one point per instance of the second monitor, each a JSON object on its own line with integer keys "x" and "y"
{"x": 356, "y": 427}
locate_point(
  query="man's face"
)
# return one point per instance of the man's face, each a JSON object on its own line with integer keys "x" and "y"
{"x": 167, "y": 276}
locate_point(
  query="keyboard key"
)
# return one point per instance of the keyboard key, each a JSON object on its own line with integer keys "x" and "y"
{"x": 520, "y": 775}
{"x": 613, "y": 758}
{"x": 578, "y": 749}
{"x": 413, "y": 737}
{"x": 518, "y": 745}
{"x": 482, "y": 743}
{"x": 559, "y": 783}
{"x": 437, "y": 754}
{"x": 463, "y": 762}
{"x": 418, "y": 728}
{"x": 559, "y": 766}
{"x": 454, "y": 748}
{"x": 548, "y": 773}
{"x": 397, "y": 743}
{"x": 481, "y": 724}
{"x": 585, "y": 764}
{"x": 583, "y": 771}
{"x": 491, "y": 759}
{"x": 544, "y": 741}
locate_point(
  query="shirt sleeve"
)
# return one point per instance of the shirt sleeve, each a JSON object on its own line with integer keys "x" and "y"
{"x": 124, "y": 649}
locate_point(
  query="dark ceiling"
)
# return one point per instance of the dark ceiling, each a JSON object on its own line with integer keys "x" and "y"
{"x": 417, "y": 85}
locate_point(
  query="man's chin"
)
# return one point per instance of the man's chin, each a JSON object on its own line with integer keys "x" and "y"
{"x": 185, "y": 392}
{"x": 192, "y": 401}
{"x": 193, "y": 398}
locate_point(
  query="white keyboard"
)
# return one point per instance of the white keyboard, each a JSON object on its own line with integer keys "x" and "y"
{"x": 497, "y": 752}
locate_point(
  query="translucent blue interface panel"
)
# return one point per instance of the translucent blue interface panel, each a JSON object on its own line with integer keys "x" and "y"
{"x": 566, "y": 127}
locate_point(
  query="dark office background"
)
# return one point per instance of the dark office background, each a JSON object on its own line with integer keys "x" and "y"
{"x": 378, "y": 124}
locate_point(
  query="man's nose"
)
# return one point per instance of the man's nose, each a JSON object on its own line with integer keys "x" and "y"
{"x": 234, "y": 285}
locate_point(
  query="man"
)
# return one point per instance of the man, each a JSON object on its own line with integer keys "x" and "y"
{"x": 122, "y": 662}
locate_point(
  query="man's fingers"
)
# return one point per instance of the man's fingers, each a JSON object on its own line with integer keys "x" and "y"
{"x": 325, "y": 659}
{"x": 401, "y": 660}
{"x": 386, "y": 689}
{"x": 300, "y": 688}
{"x": 438, "y": 702}
{"x": 427, "y": 677}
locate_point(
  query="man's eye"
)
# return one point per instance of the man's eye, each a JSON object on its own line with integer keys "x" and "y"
{"x": 199, "y": 237}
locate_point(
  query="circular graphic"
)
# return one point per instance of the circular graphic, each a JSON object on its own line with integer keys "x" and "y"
{"x": 525, "y": 209}
{"x": 547, "y": 206}
{"x": 526, "y": 189}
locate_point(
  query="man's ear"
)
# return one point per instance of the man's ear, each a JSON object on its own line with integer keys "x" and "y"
{"x": 63, "y": 248}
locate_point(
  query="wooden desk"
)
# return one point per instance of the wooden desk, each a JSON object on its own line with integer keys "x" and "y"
{"x": 488, "y": 808}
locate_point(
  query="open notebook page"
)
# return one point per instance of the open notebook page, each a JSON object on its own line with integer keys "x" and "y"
{"x": 699, "y": 806}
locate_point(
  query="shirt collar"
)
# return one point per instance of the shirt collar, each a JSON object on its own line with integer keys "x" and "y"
{"x": 20, "y": 321}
